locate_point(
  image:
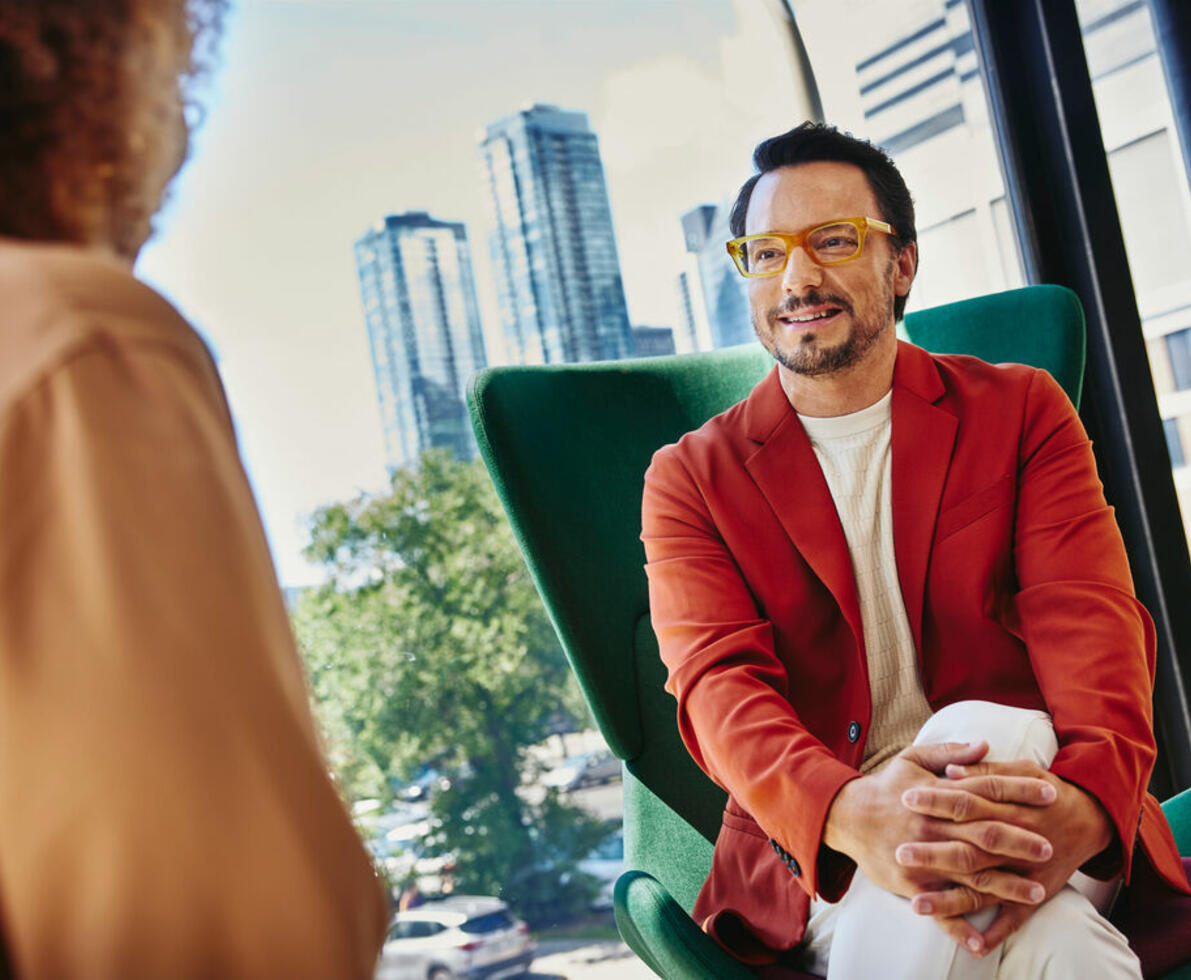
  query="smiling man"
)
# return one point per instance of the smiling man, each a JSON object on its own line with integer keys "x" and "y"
{"x": 899, "y": 622}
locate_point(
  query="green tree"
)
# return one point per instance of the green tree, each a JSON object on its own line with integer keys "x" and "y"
{"x": 428, "y": 643}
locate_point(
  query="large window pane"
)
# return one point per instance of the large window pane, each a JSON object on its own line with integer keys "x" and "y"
{"x": 334, "y": 114}
{"x": 1150, "y": 185}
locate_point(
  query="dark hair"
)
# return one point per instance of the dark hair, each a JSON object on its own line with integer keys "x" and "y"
{"x": 87, "y": 93}
{"x": 813, "y": 142}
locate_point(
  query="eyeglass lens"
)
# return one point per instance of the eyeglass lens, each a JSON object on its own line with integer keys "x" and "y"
{"x": 831, "y": 243}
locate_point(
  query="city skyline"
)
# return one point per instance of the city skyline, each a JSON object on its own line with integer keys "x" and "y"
{"x": 327, "y": 114}
{"x": 558, "y": 280}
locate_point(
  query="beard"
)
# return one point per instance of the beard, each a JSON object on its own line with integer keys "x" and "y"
{"x": 807, "y": 357}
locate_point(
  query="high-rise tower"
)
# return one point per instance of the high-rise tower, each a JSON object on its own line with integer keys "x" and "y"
{"x": 423, "y": 330}
{"x": 705, "y": 229}
{"x": 553, "y": 247}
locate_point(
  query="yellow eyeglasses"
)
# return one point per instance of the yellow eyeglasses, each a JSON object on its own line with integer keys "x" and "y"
{"x": 841, "y": 240}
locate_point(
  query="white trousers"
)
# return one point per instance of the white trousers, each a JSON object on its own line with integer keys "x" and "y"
{"x": 873, "y": 933}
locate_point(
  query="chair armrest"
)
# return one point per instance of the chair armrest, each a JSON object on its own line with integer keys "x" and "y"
{"x": 1178, "y": 815}
{"x": 659, "y": 931}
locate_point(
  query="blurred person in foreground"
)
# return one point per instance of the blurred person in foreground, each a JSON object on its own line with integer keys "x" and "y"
{"x": 166, "y": 807}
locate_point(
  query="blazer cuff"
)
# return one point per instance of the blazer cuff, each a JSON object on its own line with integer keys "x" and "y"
{"x": 819, "y": 869}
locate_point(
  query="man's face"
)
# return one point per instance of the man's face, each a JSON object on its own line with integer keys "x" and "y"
{"x": 816, "y": 320}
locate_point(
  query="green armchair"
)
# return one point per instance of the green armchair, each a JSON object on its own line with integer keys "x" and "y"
{"x": 567, "y": 447}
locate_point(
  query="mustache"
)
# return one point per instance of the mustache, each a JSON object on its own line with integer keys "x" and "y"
{"x": 792, "y": 304}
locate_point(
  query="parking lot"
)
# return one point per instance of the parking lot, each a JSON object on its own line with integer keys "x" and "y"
{"x": 574, "y": 959}
{"x": 557, "y": 958}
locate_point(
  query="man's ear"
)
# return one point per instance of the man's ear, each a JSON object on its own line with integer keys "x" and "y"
{"x": 905, "y": 267}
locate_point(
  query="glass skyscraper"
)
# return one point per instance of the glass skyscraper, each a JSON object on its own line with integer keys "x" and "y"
{"x": 725, "y": 297}
{"x": 553, "y": 247}
{"x": 424, "y": 332}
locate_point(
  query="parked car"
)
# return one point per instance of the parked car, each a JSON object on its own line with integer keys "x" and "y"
{"x": 606, "y": 864}
{"x": 458, "y": 938}
{"x": 583, "y": 770}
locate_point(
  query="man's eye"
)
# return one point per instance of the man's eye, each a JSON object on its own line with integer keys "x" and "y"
{"x": 766, "y": 255}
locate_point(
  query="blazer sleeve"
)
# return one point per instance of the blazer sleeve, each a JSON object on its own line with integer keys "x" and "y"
{"x": 733, "y": 711}
{"x": 167, "y": 809}
{"x": 1090, "y": 642}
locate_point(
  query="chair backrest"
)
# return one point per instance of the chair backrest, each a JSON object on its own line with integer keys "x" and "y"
{"x": 568, "y": 446}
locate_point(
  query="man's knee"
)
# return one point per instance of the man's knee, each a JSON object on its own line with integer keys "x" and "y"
{"x": 1067, "y": 937}
{"x": 1012, "y": 734}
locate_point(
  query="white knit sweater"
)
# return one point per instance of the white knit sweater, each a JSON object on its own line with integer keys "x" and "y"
{"x": 854, "y": 452}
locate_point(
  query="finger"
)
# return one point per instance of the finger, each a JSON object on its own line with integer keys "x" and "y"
{"x": 964, "y": 934}
{"x": 940, "y": 755}
{"x": 996, "y": 883}
{"x": 946, "y": 903}
{"x": 999, "y": 788}
{"x": 1005, "y": 886}
{"x": 1010, "y": 919}
{"x": 979, "y": 798}
{"x": 1020, "y": 767}
{"x": 968, "y": 847}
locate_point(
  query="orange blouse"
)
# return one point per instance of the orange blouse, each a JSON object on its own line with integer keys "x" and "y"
{"x": 165, "y": 809}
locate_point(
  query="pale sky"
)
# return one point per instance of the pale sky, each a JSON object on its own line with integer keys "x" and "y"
{"x": 328, "y": 114}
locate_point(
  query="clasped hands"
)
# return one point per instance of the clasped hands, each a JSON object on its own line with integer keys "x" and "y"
{"x": 954, "y": 835}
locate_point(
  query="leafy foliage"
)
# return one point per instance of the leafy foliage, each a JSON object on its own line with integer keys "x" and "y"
{"x": 428, "y": 644}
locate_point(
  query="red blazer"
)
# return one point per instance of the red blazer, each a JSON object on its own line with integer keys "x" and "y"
{"x": 1016, "y": 586}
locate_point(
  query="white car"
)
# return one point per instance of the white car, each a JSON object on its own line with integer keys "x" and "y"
{"x": 577, "y": 771}
{"x": 458, "y": 938}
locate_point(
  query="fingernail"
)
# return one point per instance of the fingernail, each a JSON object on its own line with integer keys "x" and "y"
{"x": 1037, "y": 894}
{"x": 954, "y": 771}
{"x": 1048, "y": 793}
{"x": 922, "y": 906}
{"x": 1047, "y": 851}
{"x": 904, "y": 854}
{"x": 910, "y": 797}
{"x": 974, "y": 944}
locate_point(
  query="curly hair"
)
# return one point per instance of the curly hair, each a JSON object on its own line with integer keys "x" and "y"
{"x": 92, "y": 95}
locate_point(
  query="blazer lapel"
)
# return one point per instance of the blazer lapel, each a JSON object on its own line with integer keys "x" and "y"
{"x": 787, "y": 472}
{"x": 923, "y": 441}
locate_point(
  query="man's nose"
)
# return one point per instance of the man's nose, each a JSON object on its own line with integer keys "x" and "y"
{"x": 800, "y": 271}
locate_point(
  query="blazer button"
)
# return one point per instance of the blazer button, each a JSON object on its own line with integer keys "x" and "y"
{"x": 785, "y": 857}
{"x": 854, "y": 731}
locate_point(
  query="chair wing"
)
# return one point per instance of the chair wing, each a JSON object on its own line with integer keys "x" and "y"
{"x": 567, "y": 447}
{"x": 1039, "y": 325}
